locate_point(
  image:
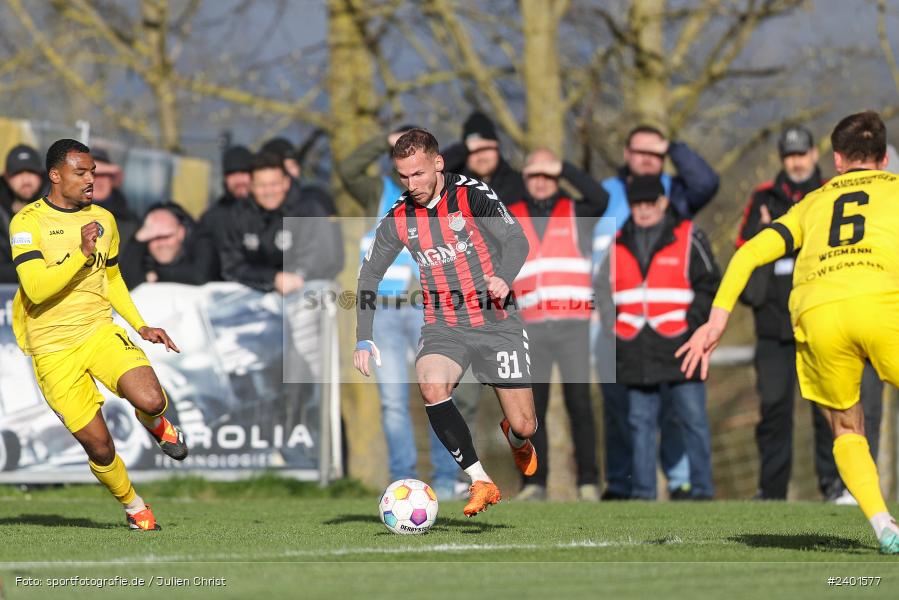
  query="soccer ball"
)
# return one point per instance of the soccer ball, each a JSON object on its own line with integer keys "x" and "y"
{"x": 408, "y": 506}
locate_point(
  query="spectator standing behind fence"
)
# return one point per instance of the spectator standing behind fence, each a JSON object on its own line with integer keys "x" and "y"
{"x": 167, "y": 249}
{"x": 282, "y": 148}
{"x": 236, "y": 182}
{"x": 656, "y": 287}
{"x": 555, "y": 300}
{"x": 691, "y": 189}
{"x": 397, "y": 323}
{"x": 478, "y": 156}
{"x": 22, "y": 182}
{"x": 767, "y": 293}
{"x": 261, "y": 252}
{"x": 107, "y": 193}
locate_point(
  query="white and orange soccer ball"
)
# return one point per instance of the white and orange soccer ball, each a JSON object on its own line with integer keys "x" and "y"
{"x": 408, "y": 506}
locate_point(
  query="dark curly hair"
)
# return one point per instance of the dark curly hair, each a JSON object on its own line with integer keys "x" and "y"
{"x": 57, "y": 153}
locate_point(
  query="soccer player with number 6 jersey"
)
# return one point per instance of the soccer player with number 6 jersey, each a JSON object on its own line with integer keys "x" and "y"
{"x": 469, "y": 250}
{"x": 845, "y": 300}
{"x": 66, "y": 252}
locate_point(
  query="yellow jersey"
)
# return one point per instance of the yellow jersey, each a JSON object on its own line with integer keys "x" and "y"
{"x": 847, "y": 234}
{"x": 63, "y": 296}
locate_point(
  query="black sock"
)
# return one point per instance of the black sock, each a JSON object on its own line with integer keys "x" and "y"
{"x": 451, "y": 429}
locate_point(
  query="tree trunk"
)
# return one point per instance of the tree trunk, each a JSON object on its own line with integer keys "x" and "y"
{"x": 154, "y": 24}
{"x": 353, "y": 101}
{"x": 542, "y": 80}
{"x": 351, "y": 88}
{"x": 648, "y": 94}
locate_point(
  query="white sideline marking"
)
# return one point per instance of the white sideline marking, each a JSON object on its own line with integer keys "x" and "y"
{"x": 440, "y": 548}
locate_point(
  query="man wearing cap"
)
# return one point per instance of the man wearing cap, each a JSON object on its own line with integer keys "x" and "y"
{"x": 767, "y": 294}
{"x": 656, "y": 288}
{"x": 107, "y": 179}
{"x": 688, "y": 191}
{"x": 216, "y": 219}
{"x": 478, "y": 156}
{"x": 168, "y": 249}
{"x": 22, "y": 183}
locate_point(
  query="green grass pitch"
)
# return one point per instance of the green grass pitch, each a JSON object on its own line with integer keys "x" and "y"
{"x": 271, "y": 539}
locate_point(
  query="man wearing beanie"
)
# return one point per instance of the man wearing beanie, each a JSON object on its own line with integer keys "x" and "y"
{"x": 767, "y": 294}
{"x": 236, "y": 181}
{"x": 478, "y": 156}
{"x": 22, "y": 183}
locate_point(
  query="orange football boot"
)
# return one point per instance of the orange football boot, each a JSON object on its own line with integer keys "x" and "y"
{"x": 481, "y": 494}
{"x": 143, "y": 520}
{"x": 525, "y": 457}
{"x": 170, "y": 439}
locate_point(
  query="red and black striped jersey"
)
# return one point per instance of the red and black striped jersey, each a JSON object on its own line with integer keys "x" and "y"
{"x": 458, "y": 239}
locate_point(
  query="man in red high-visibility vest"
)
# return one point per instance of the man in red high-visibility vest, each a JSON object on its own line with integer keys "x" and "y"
{"x": 554, "y": 294}
{"x": 656, "y": 287}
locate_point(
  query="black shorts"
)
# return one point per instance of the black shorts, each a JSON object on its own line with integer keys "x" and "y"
{"x": 496, "y": 351}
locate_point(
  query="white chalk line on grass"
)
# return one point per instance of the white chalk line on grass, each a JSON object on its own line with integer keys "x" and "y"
{"x": 330, "y": 552}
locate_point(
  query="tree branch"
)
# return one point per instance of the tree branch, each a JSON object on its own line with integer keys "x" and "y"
{"x": 474, "y": 65}
{"x": 93, "y": 94}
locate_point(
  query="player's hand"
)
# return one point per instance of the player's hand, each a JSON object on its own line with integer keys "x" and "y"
{"x": 550, "y": 168}
{"x": 364, "y": 350}
{"x": 658, "y": 147}
{"x": 702, "y": 343}
{"x": 157, "y": 335}
{"x": 286, "y": 283}
{"x": 496, "y": 287}
{"x": 476, "y": 144}
{"x": 764, "y": 215}
{"x": 89, "y": 235}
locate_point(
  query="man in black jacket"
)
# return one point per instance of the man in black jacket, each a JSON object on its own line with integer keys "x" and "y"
{"x": 767, "y": 294}
{"x": 657, "y": 287}
{"x": 263, "y": 251}
{"x": 22, "y": 183}
{"x": 478, "y": 156}
{"x": 215, "y": 221}
{"x": 167, "y": 249}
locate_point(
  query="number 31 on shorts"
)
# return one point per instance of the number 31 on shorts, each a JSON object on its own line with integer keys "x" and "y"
{"x": 508, "y": 365}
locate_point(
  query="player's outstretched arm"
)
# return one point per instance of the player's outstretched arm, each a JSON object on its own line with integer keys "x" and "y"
{"x": 767, "y": 246}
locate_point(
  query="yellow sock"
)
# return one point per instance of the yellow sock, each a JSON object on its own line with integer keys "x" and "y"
{"x": 115, "y": 477}
{"x": 152, "y": 421}
{"x": 856, "y": 467}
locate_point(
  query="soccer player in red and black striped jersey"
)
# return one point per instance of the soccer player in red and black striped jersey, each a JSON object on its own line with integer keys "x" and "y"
{"x": 469, "y": 250}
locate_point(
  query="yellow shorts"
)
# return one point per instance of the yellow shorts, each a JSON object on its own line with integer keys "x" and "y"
{"x": 66, "y": 377}
{"x": 833, "y": 340}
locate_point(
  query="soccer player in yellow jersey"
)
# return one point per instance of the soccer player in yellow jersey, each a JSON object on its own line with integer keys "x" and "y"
{"x": 845, "y": 299}
{"x": 65, "y": 249}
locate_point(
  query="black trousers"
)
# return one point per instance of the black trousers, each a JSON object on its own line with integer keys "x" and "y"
{"x": 775, "y": 365}
{"x": 568, "y": 344}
